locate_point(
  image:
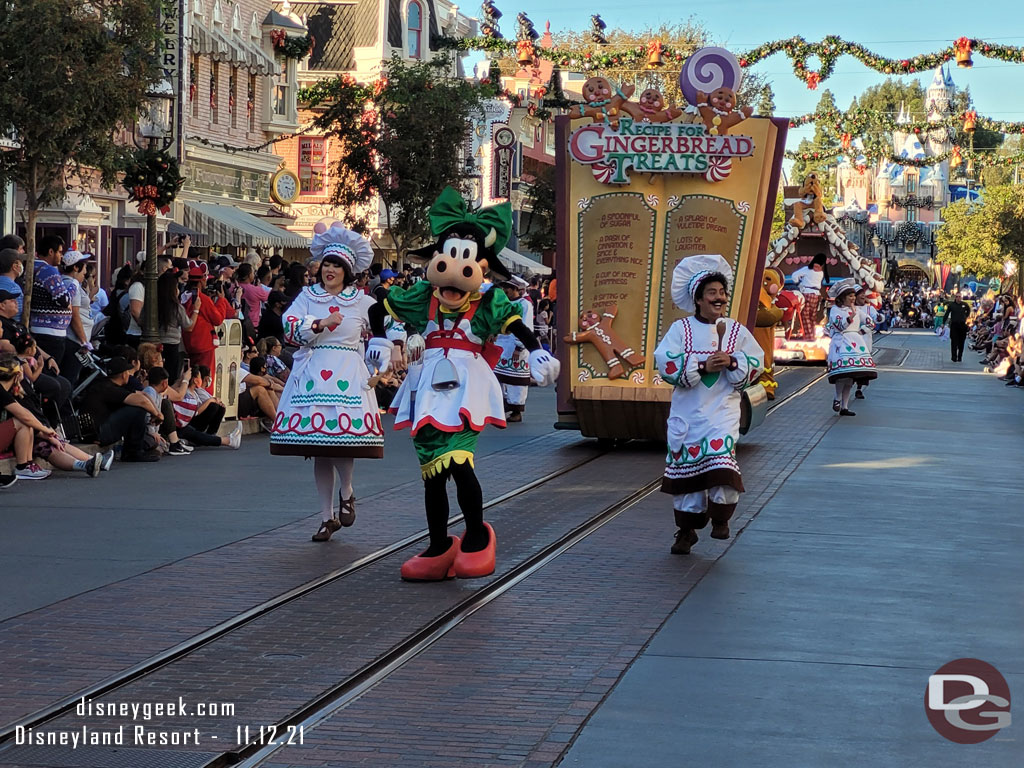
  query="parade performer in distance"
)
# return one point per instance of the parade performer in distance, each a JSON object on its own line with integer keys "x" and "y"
{"x": 451, "y": 394}
{"x": 513, "y": 369}
{"x": 709, "y": 359}
{"x": 848, "y": 357}
{"x": 327, "y": 409}
{"x": 868, "y": 323}
{"x": 809, "y": 282}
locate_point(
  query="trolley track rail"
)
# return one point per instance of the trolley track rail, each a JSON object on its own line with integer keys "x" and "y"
{"x": 357, "y": 684}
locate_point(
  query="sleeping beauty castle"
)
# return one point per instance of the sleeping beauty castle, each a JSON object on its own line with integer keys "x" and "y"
{"x": 900, "y": 205}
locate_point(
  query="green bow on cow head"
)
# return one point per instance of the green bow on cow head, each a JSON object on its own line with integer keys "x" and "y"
{"x": 494, "y": 221}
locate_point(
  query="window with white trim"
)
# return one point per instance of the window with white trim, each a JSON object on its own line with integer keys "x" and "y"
{"x": 415, "y": 29}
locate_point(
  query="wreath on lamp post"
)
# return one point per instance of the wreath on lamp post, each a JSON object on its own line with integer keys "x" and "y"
{"x": 153, "y": 179}
{"x": 291, "y": 47}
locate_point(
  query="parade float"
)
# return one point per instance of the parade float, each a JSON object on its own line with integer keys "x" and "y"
{"x": 812, "y": 229}
{"x": 639, "y": 188}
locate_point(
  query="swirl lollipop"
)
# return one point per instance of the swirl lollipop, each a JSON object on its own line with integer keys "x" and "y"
{"x": 707, "y": 70}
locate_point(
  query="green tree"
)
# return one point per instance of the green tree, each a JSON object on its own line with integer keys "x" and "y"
{"x": 540, "y": 196}
{"x": 405, "y": 149}
{"x": 778, "y": 218}
{"x": 1004, "y": 174}
{"x": 983, "y": 235}
{"x": 73, "y": 73}
{"x": 824, "y": 141}
{"x": 889, "y": 96}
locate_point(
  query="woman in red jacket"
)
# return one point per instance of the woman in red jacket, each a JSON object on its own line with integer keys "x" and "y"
{"x": 201, "y": 342}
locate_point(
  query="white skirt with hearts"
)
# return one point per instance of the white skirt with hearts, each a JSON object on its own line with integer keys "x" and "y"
{"x": 327, "y": 407}
{"x": 850, "y": 358}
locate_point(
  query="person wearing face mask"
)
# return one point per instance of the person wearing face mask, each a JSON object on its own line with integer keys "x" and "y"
{"x": 849, "y": 358}
{"x": 709, "y": 359}
{"x": 12, "y": 265}
{"x": 328, "y": 411}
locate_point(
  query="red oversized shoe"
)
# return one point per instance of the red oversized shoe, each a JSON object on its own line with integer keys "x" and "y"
{"x": 438, "y": 568}
{"x": 473, "y": 565}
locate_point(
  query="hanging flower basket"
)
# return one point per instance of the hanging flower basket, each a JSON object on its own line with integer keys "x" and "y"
{"x": 153, "y": 179}
{"x": 291, "y": 47}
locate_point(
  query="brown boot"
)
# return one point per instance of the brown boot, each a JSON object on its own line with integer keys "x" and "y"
{"x": 514, "y": 417}
{"x": 720, "y": 515}
{"x": 327, "y": 527}
{"x": 685, "y": 538}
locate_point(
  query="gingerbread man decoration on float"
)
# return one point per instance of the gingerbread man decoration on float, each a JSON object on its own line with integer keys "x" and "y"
{"x": 709, "y": 80}
{"x": 651, "y": 108}
{"x": 597, "y": 329}
{"x": 604, "y": 103}
{"x": 450, "y": 393}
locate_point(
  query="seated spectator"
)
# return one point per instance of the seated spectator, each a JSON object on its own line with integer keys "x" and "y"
{"x": 259, "y": 393}
{"x": 120, "y": 413}
{"x": 270, "y": 320}
{"x": 270, "y": 348}
{"x": 166, "y": 429}
{"x": 18, "y": 425}
{"x": 12, "y": 266}
{"x": 198, "y": 414}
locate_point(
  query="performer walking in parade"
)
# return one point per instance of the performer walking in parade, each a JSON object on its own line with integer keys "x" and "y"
{"x": 513, "y": 369}
{"x": 848, "y": 358}
{"x": 709, "y": 359}
{"x": 451, "y": 394}
{"x": 868, "y": 322}
{"x": 327, "y": 409}
{"x": 957, "y": 313}
{"x": 809, "y": 282}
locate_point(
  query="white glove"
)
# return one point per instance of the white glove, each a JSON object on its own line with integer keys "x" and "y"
{"x": 543, "y": 367}
{"x": 378, "y": 355}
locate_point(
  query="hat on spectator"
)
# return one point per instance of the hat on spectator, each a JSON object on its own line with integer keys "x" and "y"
{"x": 197, "y": 270}
{"x": 517, "y": 282}
{"x": 387, "y": 274}
{"x": 117, "y": 365}
{"x": 224, "y": 260}
{"x": 5, "y": 295}
{"x": 71, "y": 258}
{"x": 277, "y": 297}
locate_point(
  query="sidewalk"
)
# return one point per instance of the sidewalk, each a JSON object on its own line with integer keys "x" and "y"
{"x": 894, "y": 548}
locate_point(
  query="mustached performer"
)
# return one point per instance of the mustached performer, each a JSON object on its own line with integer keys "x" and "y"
{"x": 709, "y": 359}
{"x": 451, "y": 394}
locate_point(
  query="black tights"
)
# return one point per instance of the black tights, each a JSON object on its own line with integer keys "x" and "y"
{"x": 471, "y": 502}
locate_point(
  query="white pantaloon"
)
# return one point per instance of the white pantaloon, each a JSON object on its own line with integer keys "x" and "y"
{"x": 698, "y": 502}
{"x": 515, "y": 394}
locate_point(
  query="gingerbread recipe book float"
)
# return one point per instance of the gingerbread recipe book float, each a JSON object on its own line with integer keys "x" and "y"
{"x": 643, "y": 184}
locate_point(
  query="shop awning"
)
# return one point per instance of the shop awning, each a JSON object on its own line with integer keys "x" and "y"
{"x": 231, "y": 49}
{"x": 522, "y": 264}
{"x": 224, "y": 225}
{"x": 198, "y": 238}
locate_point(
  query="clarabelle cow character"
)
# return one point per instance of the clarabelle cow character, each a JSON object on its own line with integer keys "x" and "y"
{"x": 451, "y": 393}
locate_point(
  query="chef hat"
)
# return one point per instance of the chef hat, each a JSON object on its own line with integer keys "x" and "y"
{"x": 836, "y": 290}
{"x": 691, "y": 272}
{"x": 350, "y": 246}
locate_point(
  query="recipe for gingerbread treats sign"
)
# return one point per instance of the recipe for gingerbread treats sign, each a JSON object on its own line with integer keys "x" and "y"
{"x": 616, "y": 243}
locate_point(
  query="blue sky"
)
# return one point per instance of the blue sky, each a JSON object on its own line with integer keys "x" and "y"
{"x": 894, "y": 28}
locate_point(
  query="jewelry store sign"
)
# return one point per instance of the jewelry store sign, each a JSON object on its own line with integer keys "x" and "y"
{"x": 232, "y": 183}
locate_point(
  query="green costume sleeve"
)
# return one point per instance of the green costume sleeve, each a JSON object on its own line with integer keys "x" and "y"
{"x": 410, "y": 305}
{"x": 494, "y": 315}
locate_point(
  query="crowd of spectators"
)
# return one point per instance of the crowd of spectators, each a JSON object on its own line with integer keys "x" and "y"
{"x": 996, "y": 333}
{"x": 79, "y": 371}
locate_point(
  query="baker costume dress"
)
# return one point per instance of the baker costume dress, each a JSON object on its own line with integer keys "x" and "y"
{"x": 513, "y": 369}
{"x": 448, "y": 399}
{"x": 701, "y": 471}
{"x": 849, "y": 354}
{"x": 327, "y": 407}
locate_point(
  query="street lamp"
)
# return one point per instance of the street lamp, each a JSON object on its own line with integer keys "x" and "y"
{"x": 959, "y": 270}
{"x": 153, "y": 131}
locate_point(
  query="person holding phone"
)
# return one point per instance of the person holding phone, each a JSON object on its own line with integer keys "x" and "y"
{"x": 201, "y": 340}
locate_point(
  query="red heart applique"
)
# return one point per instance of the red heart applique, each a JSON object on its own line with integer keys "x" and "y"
{"x": 716, "y": 444}
{"x": 671, "y": 368}
{"x": 325, "y": 375}
{"x": 693, "y": 450}
{"x": 334, "y": 309}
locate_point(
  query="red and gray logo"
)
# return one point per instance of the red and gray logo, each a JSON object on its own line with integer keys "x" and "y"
{"x": 967, "y": 701}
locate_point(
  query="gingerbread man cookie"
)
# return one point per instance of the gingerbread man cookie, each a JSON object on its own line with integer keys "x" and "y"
{"x": 651, "y": 108}
{"x": 603, "y": 101}
{"x": 718, "y": 110}
{"x": 597, "y": 330}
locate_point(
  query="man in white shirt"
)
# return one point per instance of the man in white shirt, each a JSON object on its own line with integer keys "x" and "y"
{"x": 809, "y": 281}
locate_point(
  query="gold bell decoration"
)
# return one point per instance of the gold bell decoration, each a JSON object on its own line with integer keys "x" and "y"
{"x": 525, "y": 53}
{"x": 962, "y": 52}
{"x": 956, "y": 159}
{"x": 654, "y": 51}
{"x": 970, "y": 120}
